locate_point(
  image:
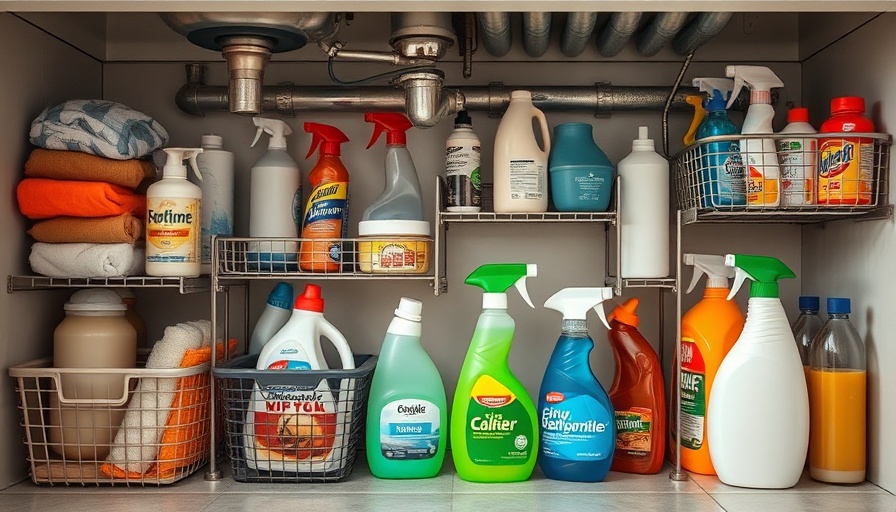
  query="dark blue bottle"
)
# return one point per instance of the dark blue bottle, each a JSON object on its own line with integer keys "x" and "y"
{"x": 723, "y": 179}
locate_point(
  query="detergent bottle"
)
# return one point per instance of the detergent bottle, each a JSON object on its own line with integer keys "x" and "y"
{"x": 798, "y": 156}
{"x": 708, "y": 331}
{"x": 291, "y": 428}
{"x": 578, "y": 431}
{"x": 275, "y": 199}
{"x": 846, "y": 164}
{"x": 807, "y": 325}
{"x": 722, "y": 175}
{"x": 277, "y": 311}
{"x": 173, "y": 224}
{"x": 637, "y": 395}
{"x": 760, "y": 154}
{"x": 407, "y": 412}
{"x": 494, "y": 426}
{"x": 520, "y": 165}
{"x": 758, "y": 417}
{"x": 325, "y": 222}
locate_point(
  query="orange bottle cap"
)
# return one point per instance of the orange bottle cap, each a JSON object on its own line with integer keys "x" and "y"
{"x": 626, "y": 313}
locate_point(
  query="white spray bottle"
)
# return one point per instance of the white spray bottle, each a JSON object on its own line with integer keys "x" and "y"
{"x": 759, "y": 155}
{"x": 173, "y": 222}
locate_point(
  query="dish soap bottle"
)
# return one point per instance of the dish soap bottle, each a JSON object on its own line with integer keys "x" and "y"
{"x": 173, "y": 221}
{"x": 758, "y": 418}
{"x": 637, "y": 395}
{"x": 806, "y": 326}
{"x": 722, "y": 176}
{"x": 407, "y": 413}
{"x": 494, "y": 426}
{"x": 708, "y": 331}
{"x": 521, "y": 166}
{"x": 578, "y": 432}
{"x": 277, "y": 311}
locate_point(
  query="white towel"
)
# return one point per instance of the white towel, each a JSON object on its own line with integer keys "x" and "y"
{"x": 86, "y": 260}
{"x": 137, "y": 441}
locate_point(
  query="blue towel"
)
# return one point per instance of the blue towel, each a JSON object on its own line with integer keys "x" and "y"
{"x": 98, "y": 127}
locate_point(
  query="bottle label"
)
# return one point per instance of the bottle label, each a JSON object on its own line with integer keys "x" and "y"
{"x": 294, "y": 424}
{"x": 462, "y": 171}
{"x": 575, "y": 427}
{"x": 633, "y": 431}
{"x": 325, "y": 217}
{"x": 693, "y": 395}
{"x": 797, "y": 171}
{"x": 409, "y": 430}
{"x": 499, "y": 429}
{"x": 527, "y": 179}
{"x": 172, "y": 230}
{"x": 845, "y": 171}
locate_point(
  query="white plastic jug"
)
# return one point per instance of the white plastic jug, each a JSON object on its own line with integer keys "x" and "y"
{"x": 521, "y": 166}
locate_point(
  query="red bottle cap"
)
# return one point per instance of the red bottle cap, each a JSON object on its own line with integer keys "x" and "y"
{"x": 847, "y": 104}
{"x": 310, "y": 299}
{"x": 626, "y": 313}
{"x": 798, "y": 115}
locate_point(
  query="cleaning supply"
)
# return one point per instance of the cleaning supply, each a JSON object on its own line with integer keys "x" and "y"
{"x": 521, "y": 166}
{"x": 275, "y": 200}
{"x": 759, "y": 155}
{"x": 637, "y": 395}
{"x": 86, "y": 260}
{"x": 463, "y": 152}
{"x": 494, "y": 425}
{"x": 407, "y": 411}
{"x": 578, "y": 431}
{"x": 277, "y": 310}
{"x": 708, "y": 331}
{"x": 74, "y": 165}
{"x": 293, "y": 429}
{"x": 41, "y": 198}
{"x": 216, "y": 167}
{"x": 837, "y": 384}
{"x": 132, "y": 316}
{"x": 696, "y": 101}
{"x": 325, "y": 221}
{"x": 173, "y": 220}
{"x": 798, "y": 156}
{"x": 806, "y": 326}
{"x": 758, "y": 417}
{"x": 581, "y": 174}
{"x": 124, "y": 228}
{"x": 644, "y": 215}
{"x": 722, "y": 173}
{"x": 846, "y": 165}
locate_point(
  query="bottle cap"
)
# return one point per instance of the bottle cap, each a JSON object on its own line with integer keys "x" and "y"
{"x": 310, "y": 299}
{"x": 281, "y": 296}
{"x": 798, "y": 115}
{"x": 409, "y": 309}
{"x": 462, "y": 119}
{"x": 212, "y": 141}
{"x": 838, "y": 306}
{"x": 95, "y": 299}
{"x": 521, "y": 95}
{"x": 643, "y": 141}
{"x": 626, "y": 313}
{"x": 847, "y": 104}
{"x": 810, "y": 302}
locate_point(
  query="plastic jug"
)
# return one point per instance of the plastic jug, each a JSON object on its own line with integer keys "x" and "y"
{"x": 581, "y": 174}
{"x": 277, "y": 311}
{"x": 521, "y": 166}
{"x": 846, "y": 165}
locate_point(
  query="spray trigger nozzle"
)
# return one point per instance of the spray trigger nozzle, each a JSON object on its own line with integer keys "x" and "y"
{"x": 395, "y": 125}
{"x": 277, "y": 129}
{"x": 520, "y": 284}
{"x": 740, "y": 276}
{"x": 330, "y": 136}
{"x": 717, "y": 272}
{"x": 174, "y": 166}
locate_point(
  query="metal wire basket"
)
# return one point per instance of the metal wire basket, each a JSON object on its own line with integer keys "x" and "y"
{"x": 293, "y": 426}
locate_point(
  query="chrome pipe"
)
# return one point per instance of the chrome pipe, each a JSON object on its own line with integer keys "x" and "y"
{"x": 616, "y": 33}
{"x": 577, "y": 32}
{"x": 660, "y": 31}
{"x": 536, "y": 33}
{"x": 700, "y": 30}
{"x": 496, "y": 36}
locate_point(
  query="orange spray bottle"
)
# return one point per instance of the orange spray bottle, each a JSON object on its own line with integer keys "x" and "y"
{"x": 325, "y": 221}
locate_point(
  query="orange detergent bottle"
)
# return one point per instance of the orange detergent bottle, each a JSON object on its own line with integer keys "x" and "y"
{"x": 846, "y": 164}
{"x": 637, "y": 395}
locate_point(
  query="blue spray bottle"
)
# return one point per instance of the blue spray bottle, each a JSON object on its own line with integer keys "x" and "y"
{"x": 723, "y": 179}
{"x": 578, "y": 432}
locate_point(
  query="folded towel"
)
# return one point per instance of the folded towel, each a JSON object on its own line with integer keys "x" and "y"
{"x": 86, "y": 260}
{"x": 105, "y": 230}
{"x": 99, "y": 127}
{"x": 40, "y": 198}
{"x": 73, "y": 165}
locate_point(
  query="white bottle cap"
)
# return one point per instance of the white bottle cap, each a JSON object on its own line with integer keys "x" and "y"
{"x": 95, "y": 299}
{"x": 642, "y": 142}
{"x": 521, "y": 95}
{"x": 409, "y": 309}
{"x": 212, "y": 141}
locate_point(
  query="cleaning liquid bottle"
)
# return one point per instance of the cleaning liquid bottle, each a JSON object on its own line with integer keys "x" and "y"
{"x": 798, "y": 158}
{"x": 407, "y": 412}
{"x": 520, "y": 165}
{"x": 806, "y": 326}
{"x": 837, "y": 385}
{"x": 722, "y": 177}
{"x": 637, "y": 395}
{"x": 173, "y": 220}
{"x": 578, "y": 432}
{"x": 277, "y": 311}
{"x": 295, "y": 429}
{"x": 401, "y": 199}
{"x": 846, "y": 164}
{"x": 325, "y": 221}
{"x": 708, "y": 331}
{"x": 216, "y": 167}
{"x": 275, "y": 197}
{"x": 696, "y": 101}
{"x": 463, "y": 154}
{"x": 494, "y": 425}
{"x": 759, "y": 154}
{"x": 758, "y": 417}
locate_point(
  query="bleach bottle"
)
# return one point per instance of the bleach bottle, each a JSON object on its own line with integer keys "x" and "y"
{"x": 578, "y": 432}
{"x": 758, "y": 417}
{"x": 293, "y": 429}
{"x": 494, "y": 425}
{"x": 722, "y": 176}
{"x": 277, "y": 312}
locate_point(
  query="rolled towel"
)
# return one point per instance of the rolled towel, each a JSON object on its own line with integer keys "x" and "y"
{"x": 77, "y": 166}
{"x": 99, "y": 127}
{"x": 86, "y": 260}
{"x": 41, "y": 198}
{"x": 105, "y": 230}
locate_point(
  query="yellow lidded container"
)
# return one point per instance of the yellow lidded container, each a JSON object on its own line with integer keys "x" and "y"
{"x": 394, "y": 246}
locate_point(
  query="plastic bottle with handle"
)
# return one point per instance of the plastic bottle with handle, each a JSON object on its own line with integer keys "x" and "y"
{"x": 520, "y": 165}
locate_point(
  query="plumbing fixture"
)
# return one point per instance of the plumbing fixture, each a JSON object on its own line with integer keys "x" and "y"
{"x": 421, "y": 34}
{"x": 425, "y": 101}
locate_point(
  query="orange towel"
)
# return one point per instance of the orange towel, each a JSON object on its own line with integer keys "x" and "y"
{"x": 77, "y": 166}
{"x": 41, "y": 198}
{"x": 105, "y": 230}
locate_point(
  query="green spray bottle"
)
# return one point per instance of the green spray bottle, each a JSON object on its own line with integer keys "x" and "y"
{"x": 494, "y": 426}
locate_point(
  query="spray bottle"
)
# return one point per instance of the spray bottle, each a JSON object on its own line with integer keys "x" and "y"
{"x": 572, "y": 400}
{"x": 759, "y": 155}
{"x": 708, "y": 331}
{"x": 401, "y": 199}
{"x": 758, "y": 417}
{"x": 173, "y": 224}
{"x": 494, "y": 426}
{"x": 275, "y": 197}
{"x": 722, "y": 175}
{"x": 326, "y": 213}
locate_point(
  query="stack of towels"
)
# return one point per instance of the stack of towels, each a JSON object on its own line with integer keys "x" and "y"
{"x": 81, "y": 188}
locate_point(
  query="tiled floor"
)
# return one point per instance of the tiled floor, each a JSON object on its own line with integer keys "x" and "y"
{"x": 361, "y": 492}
